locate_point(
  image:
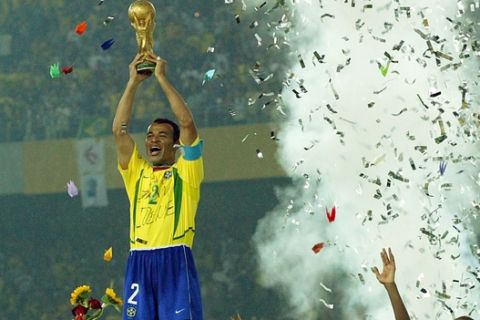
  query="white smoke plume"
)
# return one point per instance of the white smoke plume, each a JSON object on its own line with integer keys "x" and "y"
{"x": 371, "y": 145}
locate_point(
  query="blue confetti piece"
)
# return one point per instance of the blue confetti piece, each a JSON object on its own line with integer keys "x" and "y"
{"x": 208, "y": 76}
{"x": 442, "y": 167}
{"x": 107, "y": 44}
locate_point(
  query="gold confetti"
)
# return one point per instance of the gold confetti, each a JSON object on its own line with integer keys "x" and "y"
{"x": 108, "y": 255}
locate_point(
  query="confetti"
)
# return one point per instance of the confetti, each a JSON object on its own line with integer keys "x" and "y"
{"x": 107, "y": 256}
{"x": 67, "y": 70}
{"x": 400, "y": 112}
{"x": 261, "y": 6}
{"x": 442, "y": 167}
{"x": 81, "y": 28}
{"x": 329, "y": 107}
{"x": 398, "y": 46}
{"x": 72, "y": 189}
{"x": 325, "y": 287}
{"x": 421, "y": 101}
{"x": 54, "y": 71}
{"x": 302, "y": 64}
{"x": 317, "y": 247}
{"x": 329, "y": 306}
{"x": 273, "y": 136}
{"x": 384, "y": 69}
{"x": 208, "y": 76}
{"x": 331, "y": 215}
{"x": 254, "y": 24}
{"x": 397, "y": 176}
{"x": 297, "y": 94}
{"x": 108, "y": 20}
{"x": 107, "y": 44}
{"x": 380, "y": 91}
{"x": 259, "y": 39}
{"x": 333, "y": 90}
{"x": 259, "y": 154}
{"x": 367, "y": 6}
{"x": 319, "y": 57}
{"x": 361, "y": 278}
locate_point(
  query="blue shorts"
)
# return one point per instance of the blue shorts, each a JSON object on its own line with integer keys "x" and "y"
{"x": 162, "y": 284}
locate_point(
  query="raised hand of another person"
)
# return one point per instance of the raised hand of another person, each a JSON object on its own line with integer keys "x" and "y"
{"x": 388, "y": 273}
{"x": 387, "y": 278}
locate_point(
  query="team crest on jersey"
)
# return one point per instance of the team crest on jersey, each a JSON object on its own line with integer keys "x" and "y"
{"x": 131, "y": 312}
{"x": 167, "y": 175}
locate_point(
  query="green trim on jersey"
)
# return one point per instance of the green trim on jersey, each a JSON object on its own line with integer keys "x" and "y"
{"x": 137, "y": 188}
{"x": 177, "y": 193}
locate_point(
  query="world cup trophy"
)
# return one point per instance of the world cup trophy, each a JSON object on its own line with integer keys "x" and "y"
{"x": 142, "y": 19}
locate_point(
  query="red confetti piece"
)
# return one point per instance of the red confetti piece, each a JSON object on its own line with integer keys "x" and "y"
{"x": 331, "y": 215}
{"x": 67, "y": 70}
{"x": 81, "y": 28}
{"x": 317, "y": 247}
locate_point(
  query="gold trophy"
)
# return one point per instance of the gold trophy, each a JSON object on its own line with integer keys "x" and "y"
{"x": 142, "y": 18}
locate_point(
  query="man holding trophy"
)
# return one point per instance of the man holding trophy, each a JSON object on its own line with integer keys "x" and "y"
{"x": 161, "y": 281}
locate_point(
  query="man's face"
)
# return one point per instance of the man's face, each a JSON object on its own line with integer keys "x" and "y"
{"x": 159, "y": 144}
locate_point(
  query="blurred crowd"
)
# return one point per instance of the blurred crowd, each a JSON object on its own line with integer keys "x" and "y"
{"x": 192, "y": 36}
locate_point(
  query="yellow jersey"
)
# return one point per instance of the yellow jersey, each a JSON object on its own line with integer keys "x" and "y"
{"x": 163, "y": 201}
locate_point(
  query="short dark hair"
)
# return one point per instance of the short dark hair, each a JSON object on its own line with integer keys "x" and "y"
{"x": 176, "y": 129}
{"x": 464, "y": 318}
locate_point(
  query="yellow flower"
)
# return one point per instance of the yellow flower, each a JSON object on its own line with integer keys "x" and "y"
{"x": 112, "y": 296}
{"x": 79, "y": 294}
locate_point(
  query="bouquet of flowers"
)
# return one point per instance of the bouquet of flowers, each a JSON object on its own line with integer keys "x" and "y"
{"x": 88, "y": 308}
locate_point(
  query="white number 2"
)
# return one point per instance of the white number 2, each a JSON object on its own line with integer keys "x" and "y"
{"x": 135, "y": 287}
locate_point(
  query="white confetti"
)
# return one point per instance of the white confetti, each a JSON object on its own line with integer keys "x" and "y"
{"x": 329, "y": 306}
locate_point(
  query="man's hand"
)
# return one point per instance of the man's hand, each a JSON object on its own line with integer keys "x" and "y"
{"x": 161, "y": 65}
{"x": 136, "y": 77}
{"x": 388, "y": 273}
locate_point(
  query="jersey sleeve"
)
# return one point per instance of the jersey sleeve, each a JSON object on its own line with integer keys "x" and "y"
{"x": 190, "y": 163}
{"x": 131, "y": 174}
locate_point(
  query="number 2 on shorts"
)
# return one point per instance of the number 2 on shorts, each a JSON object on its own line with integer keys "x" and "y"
{"x": 135, "y": 287}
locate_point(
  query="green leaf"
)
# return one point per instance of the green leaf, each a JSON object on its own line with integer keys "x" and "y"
{"x": 96, "y": 315}
{"x": 105, "y": 299}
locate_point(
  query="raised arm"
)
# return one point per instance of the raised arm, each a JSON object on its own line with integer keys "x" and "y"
{"x": 387, "y": 278}
{"x": 123, "y": 140}
{"x": 188, "y": 130}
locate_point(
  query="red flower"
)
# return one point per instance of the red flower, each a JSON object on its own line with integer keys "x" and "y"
{"x": 79, "y": 311}
{"x": 94, "y": 304}
{"x": 79, "y": 317}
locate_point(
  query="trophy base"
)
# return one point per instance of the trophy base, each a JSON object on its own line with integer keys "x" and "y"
{"x": 146, "y": 68}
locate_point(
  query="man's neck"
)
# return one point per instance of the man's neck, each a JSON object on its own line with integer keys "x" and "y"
{"x": 163, "y": 164}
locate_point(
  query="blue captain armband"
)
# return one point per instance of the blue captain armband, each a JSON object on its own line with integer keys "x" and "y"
{"x": 191, "y": 153}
